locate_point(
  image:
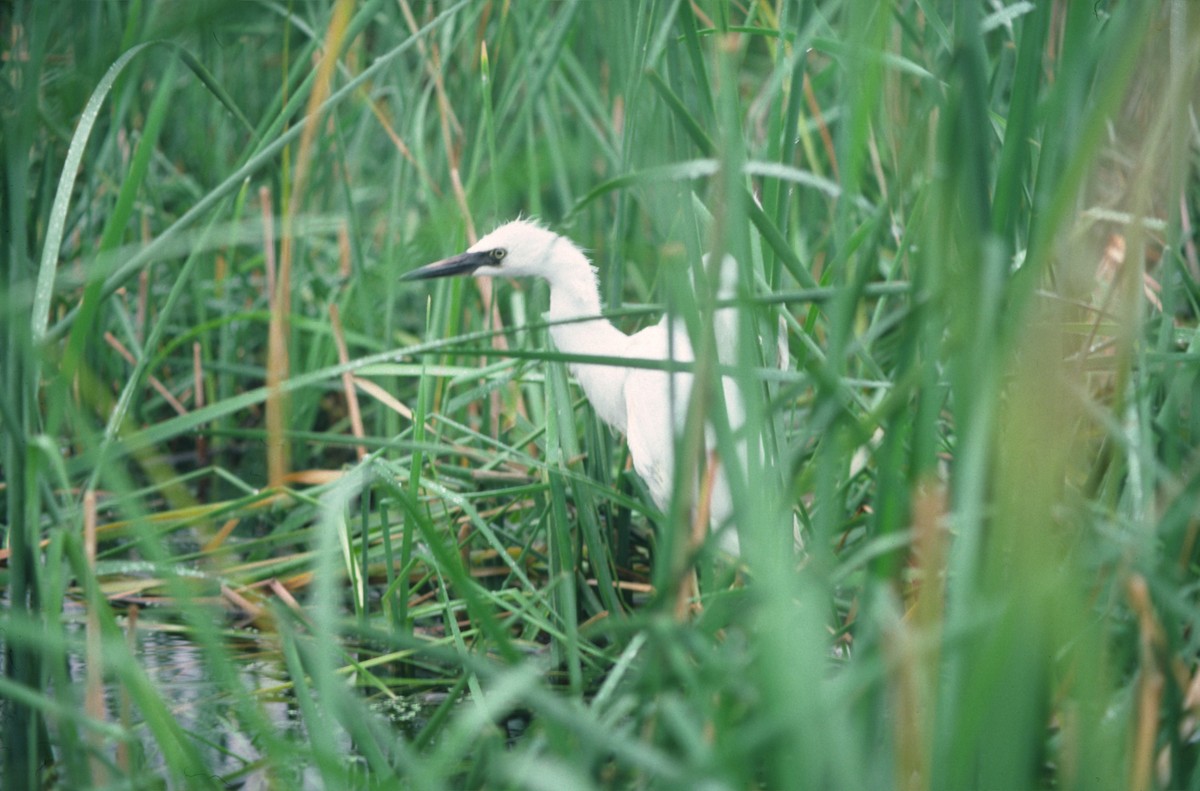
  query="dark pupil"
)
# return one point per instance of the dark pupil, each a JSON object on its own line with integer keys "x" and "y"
{"x": 498, "y": 254}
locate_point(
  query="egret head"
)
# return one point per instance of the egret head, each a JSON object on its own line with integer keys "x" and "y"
{"x": 517, "y": 249}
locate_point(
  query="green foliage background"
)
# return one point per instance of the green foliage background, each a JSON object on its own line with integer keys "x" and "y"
{"x": 380, "y": 528}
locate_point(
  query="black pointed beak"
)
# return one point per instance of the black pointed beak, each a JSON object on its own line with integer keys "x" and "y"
{"x": 463, "y": 264}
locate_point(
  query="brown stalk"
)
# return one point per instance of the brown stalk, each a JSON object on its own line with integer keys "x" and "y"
{"x": 159, "y": 387}
{"x": 278, "y": 363}
{"x": 339, "y": 338}
{"x": 1149, "y": 686}
{"x": 823, "y": 128}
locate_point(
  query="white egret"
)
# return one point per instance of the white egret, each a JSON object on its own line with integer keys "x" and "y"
{"x": 647, "y": 405}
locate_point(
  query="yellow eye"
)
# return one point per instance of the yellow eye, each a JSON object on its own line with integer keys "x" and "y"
{"x": 498, "y": 254}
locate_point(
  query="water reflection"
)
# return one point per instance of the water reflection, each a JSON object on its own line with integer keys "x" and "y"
{"x": 215, "y": 719}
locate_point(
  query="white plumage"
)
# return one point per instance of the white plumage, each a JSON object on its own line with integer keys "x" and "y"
{"x": 648, "y": 406}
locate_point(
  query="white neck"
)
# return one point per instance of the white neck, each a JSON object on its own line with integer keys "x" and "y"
{"x": 574, "y": 293}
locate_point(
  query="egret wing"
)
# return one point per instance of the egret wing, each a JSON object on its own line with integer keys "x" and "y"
{"x": 656, "y": 406}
